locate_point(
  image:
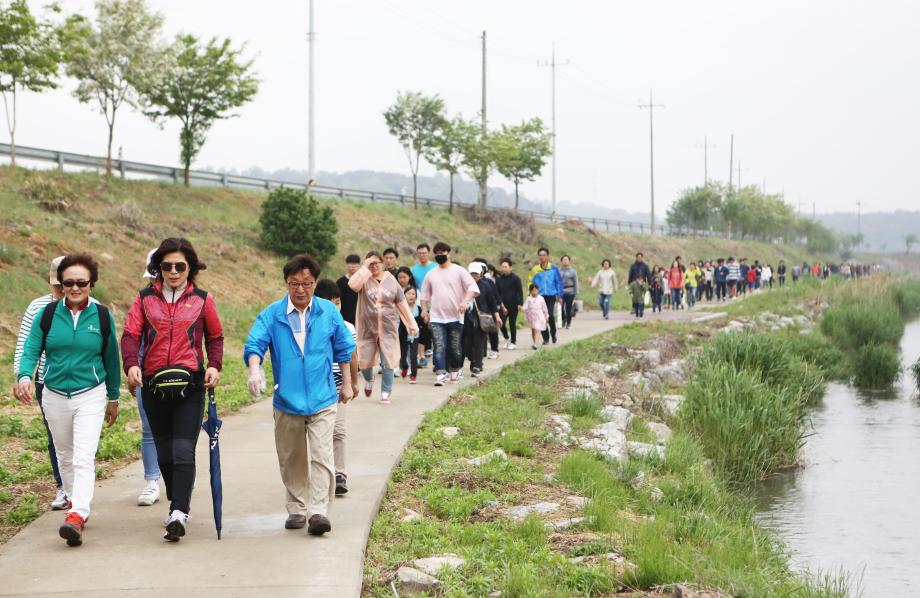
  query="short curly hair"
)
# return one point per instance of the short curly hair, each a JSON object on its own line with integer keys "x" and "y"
{"x": 176, "y": 245}
{"x": 79, "y": 259}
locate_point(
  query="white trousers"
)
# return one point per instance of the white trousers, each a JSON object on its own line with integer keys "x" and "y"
{"x": 75, "y": 427}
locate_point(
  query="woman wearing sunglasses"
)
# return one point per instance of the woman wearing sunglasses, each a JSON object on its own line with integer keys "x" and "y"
{"x": 381, "y": 304}
{"x": 174, "y": 317}
{"x": 82, "y": 381}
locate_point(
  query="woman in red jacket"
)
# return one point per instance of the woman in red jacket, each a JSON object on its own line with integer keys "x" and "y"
{"x": 174, "y": 317}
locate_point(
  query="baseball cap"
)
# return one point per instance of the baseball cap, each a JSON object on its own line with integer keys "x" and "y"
{"x": 52, "y": 272}
{"x": 147, "y": 273}
{"x": 475, "y": 267}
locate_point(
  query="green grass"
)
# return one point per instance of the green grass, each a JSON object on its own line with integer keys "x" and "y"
{"x": 25, "y": 511}
{"x": 702, "y": 531}
{"x": 877, "y": 366}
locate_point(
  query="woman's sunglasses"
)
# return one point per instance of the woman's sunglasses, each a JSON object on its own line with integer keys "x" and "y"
{"x": 79, "y": 283}
{"x": 169, "y": 266}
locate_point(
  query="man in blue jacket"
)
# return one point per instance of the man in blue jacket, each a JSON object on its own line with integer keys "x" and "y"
{"x": 549, "y": 280}
{"x": 305, "y": 336}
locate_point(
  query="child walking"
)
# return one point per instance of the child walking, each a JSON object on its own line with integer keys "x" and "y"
{"x": 408, "y": 345}
{"x": 536, "y": 313}
{"x": 637, "y": 291}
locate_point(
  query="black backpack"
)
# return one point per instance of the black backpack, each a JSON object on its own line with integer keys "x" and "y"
{"x": 105, "y": 324}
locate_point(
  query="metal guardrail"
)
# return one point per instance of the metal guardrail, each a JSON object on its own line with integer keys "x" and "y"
{"x": 207, "y": 178}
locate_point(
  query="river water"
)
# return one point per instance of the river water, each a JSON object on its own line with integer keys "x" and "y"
{"x": 855, "y": 505}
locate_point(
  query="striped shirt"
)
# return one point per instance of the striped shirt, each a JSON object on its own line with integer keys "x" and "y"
{"x": 734, "y": 271}
{"x": 336, "y": 370}
{"x": 35, "y": 308}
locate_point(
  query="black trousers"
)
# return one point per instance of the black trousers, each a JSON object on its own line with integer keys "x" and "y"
{"x": 408, "y": 355}
{"x": 550, "y": 332}
{"x": 509, "y": 321}
{"x": 175, "y": 426}
{"x": 474, "y": 344}
{"x": 568, "y": 309}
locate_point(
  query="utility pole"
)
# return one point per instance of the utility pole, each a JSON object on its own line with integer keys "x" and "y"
{"x": 739, "y": 175}
{"x": 484, "y": 183}
{"x": 552, "y": 64}
{"x": 858, "y": 223}
{"x": 813, "y": 211}
{"x": 705, "y": 147}
{"x": 651, "y": 146}
{"x": 731, "y": 162}
{"x": 311, "y": 151}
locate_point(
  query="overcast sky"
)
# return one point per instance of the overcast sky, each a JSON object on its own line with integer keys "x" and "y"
{"x": 822, "y": 96}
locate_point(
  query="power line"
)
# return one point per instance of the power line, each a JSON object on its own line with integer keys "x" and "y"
{"x": 651, "y": 146}
{"x": 552, "y": 64}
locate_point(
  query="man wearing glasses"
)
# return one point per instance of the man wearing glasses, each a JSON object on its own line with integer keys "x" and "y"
{"x": 305, "y": 335}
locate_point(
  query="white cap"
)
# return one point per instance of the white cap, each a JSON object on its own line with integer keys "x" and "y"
{"x": 147, "y": 273}
{"x": 475, "y": 267}
{"x": 52, "y": 272}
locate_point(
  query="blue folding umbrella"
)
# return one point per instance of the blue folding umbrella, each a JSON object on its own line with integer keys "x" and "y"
{"x": 212, "y": 427}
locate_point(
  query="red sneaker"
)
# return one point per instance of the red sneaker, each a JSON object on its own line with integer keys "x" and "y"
{"x": 411, "y": 379}
{"x": 72, "y": 529}
{"x": 404, "y": 372}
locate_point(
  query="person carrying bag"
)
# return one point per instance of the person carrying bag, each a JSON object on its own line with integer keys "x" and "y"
{"x": 174, "y": 318}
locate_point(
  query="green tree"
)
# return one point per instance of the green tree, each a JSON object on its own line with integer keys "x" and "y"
{"x": 414, "y": 120}
{"x": 29, "y": 58}
{"x": 698, "y": 208}
{"x": 115, "y": 57}
{"x": 521, "y": 152}
{"x": 479, "y": 155}
{"x": 294, "y": 223}
{"x": 910, "y": 239}
{"x": 446, "y": 153}
{"x": 204, "y": 84}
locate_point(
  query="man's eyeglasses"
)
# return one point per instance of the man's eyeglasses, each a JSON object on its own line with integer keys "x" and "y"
{"x": 79, "y": 283}
{"x": 300, "y": 285}
{"x": 170, "y": 266}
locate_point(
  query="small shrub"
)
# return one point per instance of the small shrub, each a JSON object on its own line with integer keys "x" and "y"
{"x": 10, "y": 254}
{"x": 129, "y": 213}
{"x": 294, "y": 223}
{"x": 877, "y": 366}
{"x": 48, "y": 194}
{"x": 504, "y": 223}
{"x": 869, "y": 321}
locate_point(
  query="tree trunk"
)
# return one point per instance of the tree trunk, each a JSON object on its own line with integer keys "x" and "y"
{"x": 450, "y": 204}
{"x": 515, "y": 195}
{"x": 185, "y": 173}
{"x": 108, "y": 153}
{"x": 415, "y": 190}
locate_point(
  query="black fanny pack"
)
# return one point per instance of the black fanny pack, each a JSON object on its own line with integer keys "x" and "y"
{"x": 170, "y": 384}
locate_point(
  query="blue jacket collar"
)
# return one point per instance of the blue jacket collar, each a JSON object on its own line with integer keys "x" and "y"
{"x": 317, "y": 308}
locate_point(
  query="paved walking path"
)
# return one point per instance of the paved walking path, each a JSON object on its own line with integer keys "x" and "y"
{"x": 124, "y": 554}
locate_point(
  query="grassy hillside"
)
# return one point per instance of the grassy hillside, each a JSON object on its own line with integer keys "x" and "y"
{"x": 120, "y": 221}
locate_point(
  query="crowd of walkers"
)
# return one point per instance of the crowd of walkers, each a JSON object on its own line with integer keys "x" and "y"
{"x": 325, "y": 337}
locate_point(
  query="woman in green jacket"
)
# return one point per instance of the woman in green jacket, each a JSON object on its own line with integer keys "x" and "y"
{"x": 82, "y": 380}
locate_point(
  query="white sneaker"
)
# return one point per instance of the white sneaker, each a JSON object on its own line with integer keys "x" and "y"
{"x": 511, "y": 347}
{"x": 506, "y": 345}
{"x": 175, "y": 526}
{"x": 384, "y": 398}
{"x": 150, "y": 494}
{"x": 60, "y": 500}
{"x": 441, "y": 380}
{"x": 455, "y": 377}
{"x": 493, "y": 355}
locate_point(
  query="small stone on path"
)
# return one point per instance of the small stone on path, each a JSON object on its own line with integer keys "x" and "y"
{"x": 564, "y": 524}
{"x": 410, "y": 515}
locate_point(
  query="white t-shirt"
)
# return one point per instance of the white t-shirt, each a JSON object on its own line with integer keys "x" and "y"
{"x": 336, "y": 370}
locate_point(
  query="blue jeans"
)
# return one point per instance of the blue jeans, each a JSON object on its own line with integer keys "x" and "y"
{"x": 52, "y": 455}
{"x": 387, "y": 376}
{"x": 448, "y": 348}
{"x": 148, "y": 447}
{"x": 605, "y": 304}
{"x": 691, "y": 296}
{"x": 675, "y": 298}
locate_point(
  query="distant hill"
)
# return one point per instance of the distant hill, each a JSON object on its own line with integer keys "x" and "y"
{"x": 883, "y": 232}
{"x": 438, "y": 186}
